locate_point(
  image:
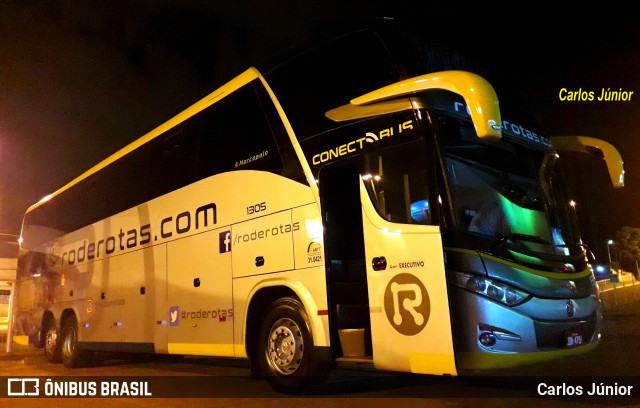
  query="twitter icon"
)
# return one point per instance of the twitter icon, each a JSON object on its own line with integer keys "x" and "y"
{"x": 174, "y": 316}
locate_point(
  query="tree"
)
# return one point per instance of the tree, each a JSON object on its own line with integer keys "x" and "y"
{"x": 627, "y": 248}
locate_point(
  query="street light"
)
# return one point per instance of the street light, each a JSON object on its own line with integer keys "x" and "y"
{"x": 609, "y": 243}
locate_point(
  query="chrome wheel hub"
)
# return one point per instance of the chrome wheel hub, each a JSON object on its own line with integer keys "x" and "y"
{"x": 286, "y": 346}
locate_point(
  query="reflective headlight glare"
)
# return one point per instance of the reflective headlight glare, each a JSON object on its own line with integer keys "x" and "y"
{"x": 476, "y": 284}
{"x": 511, "y": 297}
{"x": 493, "y": 290}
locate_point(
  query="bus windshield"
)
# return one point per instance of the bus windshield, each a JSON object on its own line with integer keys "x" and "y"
{"x": 511, "y": 196}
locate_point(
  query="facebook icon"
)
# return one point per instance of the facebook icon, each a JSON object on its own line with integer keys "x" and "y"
{"x": 225, "y": 241}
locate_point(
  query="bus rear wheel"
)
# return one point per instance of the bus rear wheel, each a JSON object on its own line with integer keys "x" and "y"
{"x": 72, "y": 356}
{"x": 286, "y": 355}
{"x": 52, "y": 349}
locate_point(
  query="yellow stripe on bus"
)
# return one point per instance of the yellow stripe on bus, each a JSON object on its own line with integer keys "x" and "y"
{"x": 425, "y": 363}
{"x": 202, "y": 349}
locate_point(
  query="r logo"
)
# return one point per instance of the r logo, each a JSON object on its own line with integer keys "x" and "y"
{"x": 406, "y": 303}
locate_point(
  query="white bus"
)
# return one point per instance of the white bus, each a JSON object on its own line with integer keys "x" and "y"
{"x": 328, "y": 209}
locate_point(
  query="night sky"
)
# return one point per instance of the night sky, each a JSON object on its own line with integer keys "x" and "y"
{"x": 80, "y": 81}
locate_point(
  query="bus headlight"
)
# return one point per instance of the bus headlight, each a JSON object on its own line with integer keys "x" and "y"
{"x": 494, "y": 290}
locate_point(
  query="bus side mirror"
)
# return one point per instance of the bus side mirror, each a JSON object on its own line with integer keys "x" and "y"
{"x": 478, "y": 94}
{"x": 594, "y": 147}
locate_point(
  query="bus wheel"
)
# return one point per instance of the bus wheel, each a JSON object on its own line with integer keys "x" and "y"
{"x": 72, "y": 356}
{"x": 286, "y": 355}
{"x": 51, "y": 342}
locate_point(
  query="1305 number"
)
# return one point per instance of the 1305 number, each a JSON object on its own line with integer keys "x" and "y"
{"x": 252, "y": 209}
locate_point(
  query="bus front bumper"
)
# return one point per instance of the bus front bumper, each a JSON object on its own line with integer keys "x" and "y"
{"x": 489, "y": 335}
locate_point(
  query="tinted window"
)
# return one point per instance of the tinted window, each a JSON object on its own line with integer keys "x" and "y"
{"x": 232, "y": 134}
{"x": 398, "y": 179}
{"x": 291, "y": 164}
{"x": 235, "y": 135}
{"x": 171, "y": 160}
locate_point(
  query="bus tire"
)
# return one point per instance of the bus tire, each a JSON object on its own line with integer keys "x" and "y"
{"x": 72, "y": 356}
{"x": 51, "y": 342}
{"x": 286, "y": 356}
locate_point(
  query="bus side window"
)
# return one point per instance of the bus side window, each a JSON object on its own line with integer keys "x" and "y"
{"x": 235, "y": 135}
{"x": 291, "y": 168}
{"x": 173, "y": 159}
{"x": 398, "y": 181}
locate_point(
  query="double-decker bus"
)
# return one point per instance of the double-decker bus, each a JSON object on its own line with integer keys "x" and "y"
{"x": 366, "y": 200}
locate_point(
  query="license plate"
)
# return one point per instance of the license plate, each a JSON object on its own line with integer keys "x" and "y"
{"x": 573, "y": 338}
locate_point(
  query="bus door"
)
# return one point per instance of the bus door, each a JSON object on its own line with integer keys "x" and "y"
{"x": 407, "y": 290}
